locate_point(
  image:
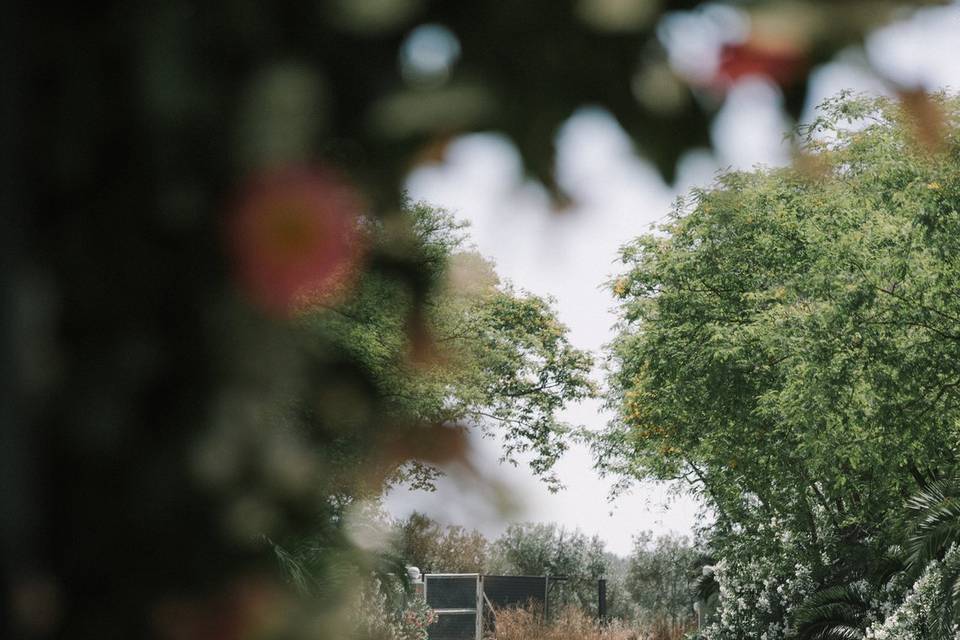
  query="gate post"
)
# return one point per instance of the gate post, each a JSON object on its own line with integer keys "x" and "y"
{"x": 602, "y": 600}
{"x": 546, "y": 599}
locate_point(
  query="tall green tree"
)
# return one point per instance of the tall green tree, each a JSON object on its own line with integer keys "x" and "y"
{"x": 789, "y": 344}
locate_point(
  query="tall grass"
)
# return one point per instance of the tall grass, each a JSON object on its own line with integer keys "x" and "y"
{"x": 571, "y": 623}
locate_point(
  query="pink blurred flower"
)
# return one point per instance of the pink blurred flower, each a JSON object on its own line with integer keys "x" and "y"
{"x": 295, "y": 236}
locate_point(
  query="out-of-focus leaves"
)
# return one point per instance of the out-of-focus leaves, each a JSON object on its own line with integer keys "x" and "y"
{"x": 282, "y": 117}
{"x": 536, "y": 62}
{"x": 433, "y": 445}
{"x": 927, "y": 119}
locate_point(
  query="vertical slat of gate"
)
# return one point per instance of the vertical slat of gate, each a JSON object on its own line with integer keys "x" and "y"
{"x": 479, "y": 608}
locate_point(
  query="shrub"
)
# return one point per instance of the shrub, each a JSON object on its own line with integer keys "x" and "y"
{"x": 922, "y": 614}
{"x": 383, "y": 613}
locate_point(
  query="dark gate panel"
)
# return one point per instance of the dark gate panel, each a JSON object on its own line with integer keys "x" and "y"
{"x": 515, "y": 591}
{"x": 451, "y": 592}
{"x": 454, "y": 598}
{"x": 454, "y": 626}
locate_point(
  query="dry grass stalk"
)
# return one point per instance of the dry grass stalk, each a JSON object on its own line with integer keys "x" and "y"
{"x": 571, "y": 623}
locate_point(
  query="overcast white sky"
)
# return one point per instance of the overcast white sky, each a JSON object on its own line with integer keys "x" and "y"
{"x": 568, "y": 256}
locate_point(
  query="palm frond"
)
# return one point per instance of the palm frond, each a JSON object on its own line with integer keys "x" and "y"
{"x": 705, "y": 586}
{"x": 935, "y": 512}
{"x": 834, "y": 613}
{"x": 837, "y": 632}
{"x": 890, "y": 563}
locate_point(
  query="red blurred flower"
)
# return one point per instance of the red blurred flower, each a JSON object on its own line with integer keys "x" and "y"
{"x": 295, "y": 236}
{"x": 781, "y": 62}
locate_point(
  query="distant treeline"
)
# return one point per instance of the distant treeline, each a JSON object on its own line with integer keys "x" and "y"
{"x": 651, "y": 583}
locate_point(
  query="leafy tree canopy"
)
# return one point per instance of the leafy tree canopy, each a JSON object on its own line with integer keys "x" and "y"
{"x": 789, "y": 342}
{"x": 538, "y": 549}
{"x": 494, "y": 358}
{"x": 425, "y": 544}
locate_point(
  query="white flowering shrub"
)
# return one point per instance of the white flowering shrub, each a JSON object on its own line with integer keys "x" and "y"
{"x": 912, "y": 618}
{"x": 762, "y": 578}
{"x": 756, "y": 598}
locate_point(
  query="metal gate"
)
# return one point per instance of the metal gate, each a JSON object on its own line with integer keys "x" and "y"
{"x": 457, "y": 598}
{"x": 466, "y": 603}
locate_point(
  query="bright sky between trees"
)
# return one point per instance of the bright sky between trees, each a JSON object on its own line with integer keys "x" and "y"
{"x": 570, "y": 255}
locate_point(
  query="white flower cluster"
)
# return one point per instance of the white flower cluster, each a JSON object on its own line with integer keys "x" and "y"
{"x": 911, "y": 619}
{"x": 756, "y": 597}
